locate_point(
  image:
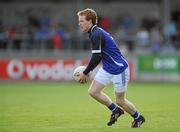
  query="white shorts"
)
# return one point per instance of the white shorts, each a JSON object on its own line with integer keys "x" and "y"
{"x": 119, "y": 81}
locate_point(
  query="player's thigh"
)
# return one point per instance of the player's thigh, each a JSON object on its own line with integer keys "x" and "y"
{"x": 101, "y": 79}
{"x": 120, "y": 81}
{"x": 95, "y": 87}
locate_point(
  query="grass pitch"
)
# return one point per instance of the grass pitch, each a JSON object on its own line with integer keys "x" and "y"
{"x": 66, "y": 107}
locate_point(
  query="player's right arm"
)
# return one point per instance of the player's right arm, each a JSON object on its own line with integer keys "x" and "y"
{"x": 97, "y": 42}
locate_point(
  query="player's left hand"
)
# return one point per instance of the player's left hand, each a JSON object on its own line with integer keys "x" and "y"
{"x": 82, "y": 78}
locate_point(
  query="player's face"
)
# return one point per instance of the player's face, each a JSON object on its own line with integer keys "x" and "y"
{"x": 84, "y": 24}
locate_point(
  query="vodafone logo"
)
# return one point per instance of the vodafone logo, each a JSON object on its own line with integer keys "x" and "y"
{"x": 17, "y": 69}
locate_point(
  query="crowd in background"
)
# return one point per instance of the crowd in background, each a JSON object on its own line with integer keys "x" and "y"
{"x": 38, "y": 33}
{"x": 151, "y": 34}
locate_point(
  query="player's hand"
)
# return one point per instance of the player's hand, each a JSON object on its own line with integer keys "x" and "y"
{"x": 83, "y": 78}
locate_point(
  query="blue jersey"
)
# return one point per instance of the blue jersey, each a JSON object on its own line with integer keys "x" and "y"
{"x": 103, "y": 43}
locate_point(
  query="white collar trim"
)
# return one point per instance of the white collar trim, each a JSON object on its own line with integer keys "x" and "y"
{"x": 93, "y": 27}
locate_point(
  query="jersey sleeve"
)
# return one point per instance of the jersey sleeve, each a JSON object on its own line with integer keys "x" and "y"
{"x": 97, "y": 41}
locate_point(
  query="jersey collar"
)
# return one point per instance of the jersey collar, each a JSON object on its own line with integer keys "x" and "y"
{"x": 90, "y": 30}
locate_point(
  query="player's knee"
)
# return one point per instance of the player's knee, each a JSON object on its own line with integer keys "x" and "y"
{"x": 92, "y": 93}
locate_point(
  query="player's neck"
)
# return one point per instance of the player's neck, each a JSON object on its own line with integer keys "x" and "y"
{"x": 90, "y": 28}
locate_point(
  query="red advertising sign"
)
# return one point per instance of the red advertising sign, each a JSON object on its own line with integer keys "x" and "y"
{"x": 40, "y": 69}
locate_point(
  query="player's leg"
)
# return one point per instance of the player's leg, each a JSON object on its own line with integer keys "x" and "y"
{"x": 101, "y": 79}
{"x": 124, "y": 103}
{"x": 120, "y": 85}
{"x": 96, "y": 92}
{"x": 129, "y": 108}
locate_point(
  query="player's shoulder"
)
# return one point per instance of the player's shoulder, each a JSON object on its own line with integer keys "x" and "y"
{"x": 97, "y": 32}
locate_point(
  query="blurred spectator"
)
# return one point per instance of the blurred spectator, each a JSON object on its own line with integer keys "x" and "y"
{"x": 45, "y": 20}
{"x": 57, "y": 41}
{"x": 148, "y": 22}
{"x": 168, "y": 48}
{"x": 127, "y": 22}
{"x": 11, "y": 32}
{"x": 57, "y": 37}
{"x": 42, "y": 37}
{"x": 13, "y": 37}
{"x": 105, "y": 22}
{"x": 170, "y": 30}
{"x": 63, "y": 36}
{"x": 156, "y": 39}
{"x": 177, "y": 42}
{"x": 143, "y": 37}
{"x": 34, "y": 21}
{"x": 3, "y": 42}
{"x": 125, "y": 38}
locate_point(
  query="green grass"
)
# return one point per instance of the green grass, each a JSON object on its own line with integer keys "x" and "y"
{"x": 66, "y": 107}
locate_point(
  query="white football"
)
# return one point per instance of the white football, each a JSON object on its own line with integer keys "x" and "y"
{"x": 77, "y": 71}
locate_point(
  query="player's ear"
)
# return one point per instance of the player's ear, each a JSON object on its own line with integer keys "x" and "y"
{"x": 90, "y": 21}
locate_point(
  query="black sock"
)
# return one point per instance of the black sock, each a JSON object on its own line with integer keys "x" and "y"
{"x": 136, "y": 115}
{"x": 113, "y": 107}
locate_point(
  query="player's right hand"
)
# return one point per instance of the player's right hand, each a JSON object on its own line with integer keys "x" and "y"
{"x": 83, "y": 78}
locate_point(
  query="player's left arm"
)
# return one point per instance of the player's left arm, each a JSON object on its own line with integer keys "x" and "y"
{"x": 97, "y": 42}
